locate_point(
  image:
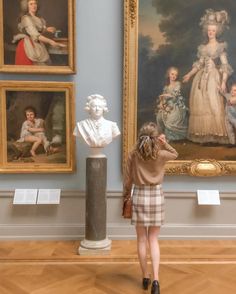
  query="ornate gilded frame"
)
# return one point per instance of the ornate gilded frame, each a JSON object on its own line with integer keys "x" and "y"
{"x": 198, "y": 167}
{"x": 58, "y": 67}
{"x": 45, "y": 96}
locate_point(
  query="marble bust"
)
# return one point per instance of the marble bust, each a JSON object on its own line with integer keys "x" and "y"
{"x": 96, "y": 131}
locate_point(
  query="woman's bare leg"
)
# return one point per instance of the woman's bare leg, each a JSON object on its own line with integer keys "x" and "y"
{"x": 142, "y": 249}
{"x": 153, "y": 233}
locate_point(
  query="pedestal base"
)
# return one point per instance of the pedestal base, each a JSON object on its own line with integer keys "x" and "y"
{"x": 96, "y": 152}
{"x": 88, "y": 247}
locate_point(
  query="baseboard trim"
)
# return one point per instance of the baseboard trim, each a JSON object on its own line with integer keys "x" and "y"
{"x": 114, "y": 232}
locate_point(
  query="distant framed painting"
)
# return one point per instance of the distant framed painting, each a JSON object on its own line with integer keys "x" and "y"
{"x": 36, "y": 124}
{"x": 37, "y": 36}
{"x": 180, "y": 72}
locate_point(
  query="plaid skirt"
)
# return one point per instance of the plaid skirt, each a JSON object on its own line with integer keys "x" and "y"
{"x": 148, "y": 206}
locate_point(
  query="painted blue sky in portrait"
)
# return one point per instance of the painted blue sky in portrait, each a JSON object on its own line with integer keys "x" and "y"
{"x": 169, "y": 35}
{"x": 149, "y": 21}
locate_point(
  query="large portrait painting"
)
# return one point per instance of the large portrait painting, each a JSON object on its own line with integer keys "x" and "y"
{"x": 37, "y": 120}
{"x": 37, "y": 36}
{"x": 180, "y": 72}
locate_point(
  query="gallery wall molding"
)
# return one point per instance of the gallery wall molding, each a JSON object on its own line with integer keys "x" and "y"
{"x": 204, "y": 231}
{"x": 185, "y": 219}
{"x": 115, "y": 232}
{"x": 118, "y": 194}
{"x": 42, "y": 232}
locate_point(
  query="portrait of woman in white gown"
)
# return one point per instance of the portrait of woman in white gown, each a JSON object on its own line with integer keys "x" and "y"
{"x": 198, "y": 39}
{"x": 210, "y": 71}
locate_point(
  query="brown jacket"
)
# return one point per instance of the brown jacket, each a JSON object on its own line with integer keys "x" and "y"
{"x": 149, "y": 172}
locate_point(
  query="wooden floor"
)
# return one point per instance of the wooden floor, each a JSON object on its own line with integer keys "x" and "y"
{"x": 187, "y": 267}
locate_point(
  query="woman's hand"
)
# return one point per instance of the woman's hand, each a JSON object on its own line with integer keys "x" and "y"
{"x": 162, "y": 96}
{"x": 126, "y": 198}
{"x": 160, "y": 106}
{"x": 51, "y": 29}
{"x": 56, "y": 44}
{"x": 186, "y": 78}
{"x": 223, "y": 87}
{"x": 162, "y": 139}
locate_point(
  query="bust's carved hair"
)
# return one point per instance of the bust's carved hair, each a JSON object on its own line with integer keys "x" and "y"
{"x": 147, "y": 146}
{"x": 94, "y": 97}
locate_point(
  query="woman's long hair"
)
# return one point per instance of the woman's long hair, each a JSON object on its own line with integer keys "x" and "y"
{"x": 147, "y": 146}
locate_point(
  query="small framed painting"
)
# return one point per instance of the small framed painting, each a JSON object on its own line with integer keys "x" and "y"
{"x": 36, "y": 124}
{"x": 37, "y": 36}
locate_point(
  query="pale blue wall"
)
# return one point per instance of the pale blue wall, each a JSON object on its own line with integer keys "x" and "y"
{"x": 99, "y": 41}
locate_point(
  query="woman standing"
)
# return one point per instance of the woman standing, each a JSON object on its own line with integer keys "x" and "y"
{"x": 207, "y": 116}
{"x": 31, "y": 49}
{"x": 145, "y": 169}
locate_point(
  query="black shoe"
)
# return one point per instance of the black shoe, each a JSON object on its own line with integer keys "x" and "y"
{"x": 155, "y": 287}
{"x": 146, "y": 283}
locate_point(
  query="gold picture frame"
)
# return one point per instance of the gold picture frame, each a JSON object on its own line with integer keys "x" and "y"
{"x": 44, "y": 144}
{"x": 194, "y": 166}
{"x": 58, "y": 25}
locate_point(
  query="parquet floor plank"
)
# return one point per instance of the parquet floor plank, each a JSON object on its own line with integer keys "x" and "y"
{"x": 114, "y": 279}
{"x": 187, "y": 267}
{"x": 171, "y": 250}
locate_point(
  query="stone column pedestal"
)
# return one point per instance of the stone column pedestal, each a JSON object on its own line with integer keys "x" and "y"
{"x": 96, "y": 241}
